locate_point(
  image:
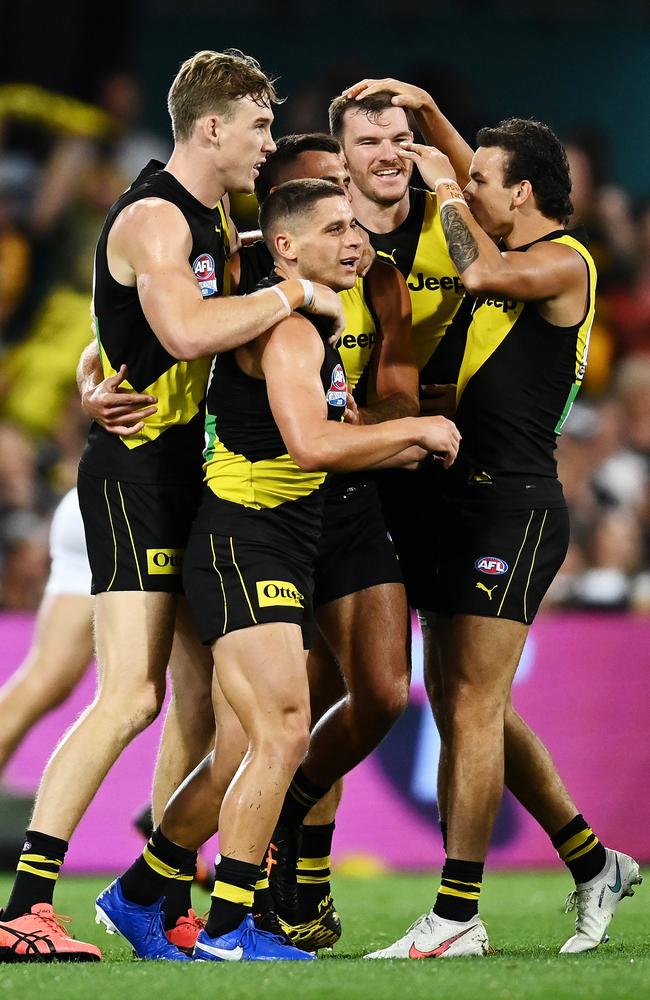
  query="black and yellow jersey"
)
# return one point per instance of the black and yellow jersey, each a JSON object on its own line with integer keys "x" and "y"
{"x": 518, "y": 378}
{"x": 255, "y": 489}
{"x": 360, "y": 335}
{"x": 168, "y": 448}
{"x": 419, "y": 250}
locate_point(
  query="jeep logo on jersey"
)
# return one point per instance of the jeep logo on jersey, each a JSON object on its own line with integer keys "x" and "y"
{"x": 505, "y": 305}
{"x": 204, "y": 270}
{"x": 446, "y": 283}
{"x": 491, "y": 565}
{"x": 337, "y": 393}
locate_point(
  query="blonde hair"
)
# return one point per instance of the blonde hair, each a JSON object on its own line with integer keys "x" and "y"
{"x": 210, "y": 82}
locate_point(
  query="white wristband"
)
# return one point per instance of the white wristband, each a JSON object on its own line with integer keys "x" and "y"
{"x": 448, "y": 201}
{"x": 278, "y": 291}
{"x": 443, "y": 180}
{"x": 308, "y": 289}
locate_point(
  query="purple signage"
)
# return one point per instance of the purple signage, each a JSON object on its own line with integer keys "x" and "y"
{"x": 583, "y": 685}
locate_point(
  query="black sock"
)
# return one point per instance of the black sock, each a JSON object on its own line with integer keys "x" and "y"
{"x": 460, "y": 888}
{"x": 163, "y": 869}
{"x": 443, "y": 833}
{"x": 36, "y": 873}
{"x": 580, "y": 849}
{"x": 301, "y": 796}
{"x": 232, "y": 896}
{"x": 313, "y": 870}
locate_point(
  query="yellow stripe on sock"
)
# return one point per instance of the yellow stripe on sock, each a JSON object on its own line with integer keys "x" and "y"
{"x": 458, "y": 881}
{"x": 446, "y": 891}
{"x": 313, "y": 864}
{"x": 41, "y": 859}
{"x": 233, "y": 893}
{"x": 262, "y": 883}
{"x": 312, "y": 879}
{"x": 574, "y": 842}
{"x": 585, "y": 850}
{"x": 21, "y": 867}
{"x": 162, "y": 868}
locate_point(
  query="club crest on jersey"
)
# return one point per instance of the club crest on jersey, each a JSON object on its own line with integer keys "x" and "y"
{"x": 337, "y": 393}
{"x": 491, "y": 565}
{"x": 204, "y": 270}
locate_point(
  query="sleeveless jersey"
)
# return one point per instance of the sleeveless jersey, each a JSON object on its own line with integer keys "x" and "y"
{"x": 518, "y": 378}
{"x": 258, "y": 491}
{"x": 419, "y": 250}
{"x": 168, "y": 448}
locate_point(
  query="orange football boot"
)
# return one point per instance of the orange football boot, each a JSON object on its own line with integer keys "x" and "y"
{"x": 39, "y": 936}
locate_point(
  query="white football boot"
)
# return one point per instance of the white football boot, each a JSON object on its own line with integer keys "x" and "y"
{"x": 432, "y": 937}
{"x": 596, "y": 901}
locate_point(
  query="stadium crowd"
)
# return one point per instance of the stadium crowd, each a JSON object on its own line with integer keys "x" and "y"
{"x": 64, "y": 163}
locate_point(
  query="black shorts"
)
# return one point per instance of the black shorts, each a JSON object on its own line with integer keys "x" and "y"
{"x": 499, "y": 563}
{"x": 411, "y": 505}
{"x": 355, "y": 550}
{"x": 233, "y": 584}
{"x": 136, "y": 533}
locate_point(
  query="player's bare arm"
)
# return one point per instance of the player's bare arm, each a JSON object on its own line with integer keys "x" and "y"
{"x": 104, "y": 400}
{"x": 149, "y": 246}
{"x": 549, "y": 273}
{"x": 292, "y": 356}
{"x": 436, "y": 129}
{"x": 395, "y": 370}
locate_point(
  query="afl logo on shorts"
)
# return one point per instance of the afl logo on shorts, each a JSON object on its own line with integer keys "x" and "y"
{"x": 337, "y": 393}
{"x": 203, "y": 268}
{"x": 491, "y": 565}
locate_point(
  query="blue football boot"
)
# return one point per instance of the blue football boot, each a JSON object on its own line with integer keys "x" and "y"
{"x": 247, "y": 944}
{"x": 142, "y": 926}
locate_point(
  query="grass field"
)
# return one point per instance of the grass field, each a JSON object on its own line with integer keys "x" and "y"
{"x": 525, "y": 921}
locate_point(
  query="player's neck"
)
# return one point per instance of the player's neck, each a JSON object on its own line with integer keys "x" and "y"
{"x": 527, "y": 229}
{"x": 377, "y": 217}
{"x": 197, "y": 174}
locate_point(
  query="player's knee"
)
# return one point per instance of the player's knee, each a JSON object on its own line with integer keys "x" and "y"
{"x": 470, "y": 701}
{"x": 383, "y": 705}
{"x": 287, "y": 741}
{"x": 136, "y": 706}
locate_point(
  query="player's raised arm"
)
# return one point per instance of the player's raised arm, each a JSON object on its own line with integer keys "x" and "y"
{"x": 151, "y": 238}
{"x": 544, "y": 272}
{"x": 436, "y": 129}
{"x": 291, "y": 357}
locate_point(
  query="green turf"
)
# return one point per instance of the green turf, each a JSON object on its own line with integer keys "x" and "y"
{"x": 525, "y": 922}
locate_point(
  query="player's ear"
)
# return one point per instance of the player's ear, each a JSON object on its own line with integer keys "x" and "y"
{"x": 210, "y": 127}
{"x": 285, "y": 247}
{"x": 522, "y": 192}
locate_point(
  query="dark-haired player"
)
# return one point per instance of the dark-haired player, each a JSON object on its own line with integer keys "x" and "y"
{"x": 273, "y": 423}
{"x": 505, "y": 515}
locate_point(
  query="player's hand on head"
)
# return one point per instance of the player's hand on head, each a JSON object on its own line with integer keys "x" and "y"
{"x": 326, "y": 302}
{"x": 441, "y": 437}
{"x": 118, "y": 410}
{"x": 432, "y": 164}
{"x": 405, "y": 95}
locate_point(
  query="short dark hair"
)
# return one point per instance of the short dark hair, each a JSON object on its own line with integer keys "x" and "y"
{"x": 291, "y": 199}
{"x": 535, "y": 154}
{"x": 371, "y": 106}
{"x": 288, "y": 149}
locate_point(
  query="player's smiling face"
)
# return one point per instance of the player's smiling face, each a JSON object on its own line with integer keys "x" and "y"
{"x": 371, "y": 145}
{"x": 327, "y": 244}
{"x": 244, "y": 141}
{"x": 319, "y": 165}
{"x": 489, "y": 199}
